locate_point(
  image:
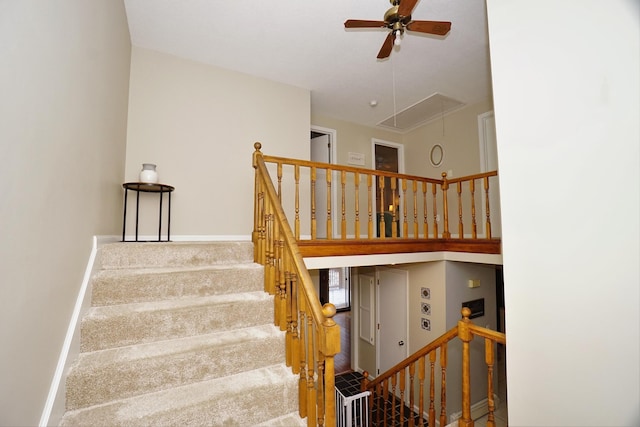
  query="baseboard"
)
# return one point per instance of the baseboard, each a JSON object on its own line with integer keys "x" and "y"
{"x": 54, "y": 407}
{"x": 478, "y": 410}
{"x": 193, "y": 238}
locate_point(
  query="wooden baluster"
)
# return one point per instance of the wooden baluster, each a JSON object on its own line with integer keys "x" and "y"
{"x": 405, "y": 224}
{"x": 392, "y": 397}
{"x": 370, "y": 206}
{"x": 290, "y": 331}
{"x": 313, "y": 204}
{"x": 460, "y": 225}
{"x": 425, "y": 211}
{"x": 356, "y": 179}
{"x": 443, "y": 384}
{"x": 260, "y": 250}
{"x": 401, "y": 387}
{"x": 465, "y": 335}
{"x": 363, "y": 387}
{"x": 415, "y": 210}
{"x": 343, "y": 223}
{"x": 279, "y": 296}
{"x": 381, "y": 230}
{"x": 279, "y": 182}
{"x": 297, "y": 202}
{"x": 412, "y": 392}
{"x": 311, "y": 390}
{"x": 445, "y": 206}
{"x": 435, "y": 210}
{"x": 394, "y": 212}
{"x": 489, "y": 359}
{"x": 302, "y": 383}
{"x": 329, "y": 212}
{"x": 382, "y": 398}
{"x": 486, "y": 190}
{"x": 421, "y": 377}
{"x": 284, "y": 324}
{"x": 257, "y": 192}
{"x": 320, "y": 393}
{"x": 295, "y": 338}
{"x": 432, "y": 388}
{"x": 270, "y": 251}
{"x": 474, "y": 226}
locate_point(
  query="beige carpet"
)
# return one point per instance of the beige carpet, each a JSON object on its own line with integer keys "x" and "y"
{"x": 180, "y": 334}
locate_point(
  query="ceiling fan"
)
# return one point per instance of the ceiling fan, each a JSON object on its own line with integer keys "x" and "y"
{"x": 397, "y": 19}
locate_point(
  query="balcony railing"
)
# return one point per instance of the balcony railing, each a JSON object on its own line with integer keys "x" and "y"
{"x": 312, "y": 337}
{"x": 343, "y": 210}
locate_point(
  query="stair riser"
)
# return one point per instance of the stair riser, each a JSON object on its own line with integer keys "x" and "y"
{"x": 143, "y": 327}
{"x": 149, "y": 255}
{"x": 122, "y": 379}
{"x": 234, "y": 404}
{"x": 137, "y": 286}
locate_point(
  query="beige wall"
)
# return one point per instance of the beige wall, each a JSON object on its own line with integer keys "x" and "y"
{"x": 64, "y": 83}
{"x": 198, "y": 123}
{"x": 460, "y": 143}
{"x": 354, "y": 138}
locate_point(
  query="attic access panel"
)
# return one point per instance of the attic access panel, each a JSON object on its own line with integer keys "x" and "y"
{"x": 430, "y": 108}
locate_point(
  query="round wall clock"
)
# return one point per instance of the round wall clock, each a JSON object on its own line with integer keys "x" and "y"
{"x": 436, "y": 155}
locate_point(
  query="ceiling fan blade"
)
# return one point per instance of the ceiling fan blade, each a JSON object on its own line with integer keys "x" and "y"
{"x": 385, "y": 51}
{"x": 406, "y": 7}
{"x": 357, "y": 23}
{"x": 439, "y": 28}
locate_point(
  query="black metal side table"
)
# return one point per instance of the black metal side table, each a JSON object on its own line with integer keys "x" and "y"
{"x": 143, "y": 187}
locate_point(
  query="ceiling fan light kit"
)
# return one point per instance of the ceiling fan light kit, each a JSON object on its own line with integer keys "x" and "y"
{"x": 398, "y": 19}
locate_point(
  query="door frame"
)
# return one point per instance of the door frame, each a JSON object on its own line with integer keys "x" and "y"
{"x": 333, "y": 159}
{"x": 400, "y": 148}
{"x": 379, "y": 307}
{"x": 484, "y": 141}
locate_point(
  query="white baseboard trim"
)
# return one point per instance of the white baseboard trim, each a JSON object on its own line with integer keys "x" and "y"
{"x": 478, "y": 410}
{"x": 193, "y": 238}
{"x": 55, "y": 403}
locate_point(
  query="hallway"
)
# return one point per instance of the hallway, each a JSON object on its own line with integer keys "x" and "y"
{"x": 342, "y": 360}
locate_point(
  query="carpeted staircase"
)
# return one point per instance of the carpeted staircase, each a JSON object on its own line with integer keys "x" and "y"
{"x": 180, "y": 334}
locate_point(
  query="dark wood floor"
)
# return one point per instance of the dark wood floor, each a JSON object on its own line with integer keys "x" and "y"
{"x": 342, "y": 360}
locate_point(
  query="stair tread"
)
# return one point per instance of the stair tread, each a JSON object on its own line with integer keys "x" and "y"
{"x": 135, "y": 271}
{"x": 177, "y": 345}
{"x": 172, "y": 400}
{"x": 173, "y": 304}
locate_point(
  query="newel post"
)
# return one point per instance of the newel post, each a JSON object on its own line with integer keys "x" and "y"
{"x": 465, "y": 335}
{"x": 258, "y": 208}
{"x": 330, "y": 346}
{"x": 445, "y": 206}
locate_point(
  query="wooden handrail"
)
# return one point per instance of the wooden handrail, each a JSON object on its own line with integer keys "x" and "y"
{"x": 465, "y": 331}
{"x": 312, "y": 336}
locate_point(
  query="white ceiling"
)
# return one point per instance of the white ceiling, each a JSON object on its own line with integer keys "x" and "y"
{"x": 304, "y": 43}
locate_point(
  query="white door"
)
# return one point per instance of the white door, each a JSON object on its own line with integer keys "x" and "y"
{"x": 392, "y": 300}
{"x": 489, "y": 162}
{"x": 321, "y": 152}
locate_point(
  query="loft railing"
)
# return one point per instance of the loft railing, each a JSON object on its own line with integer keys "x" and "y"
{"x": 399, "y": 384}
{"x": 312, "y": 337}
{"x": 376, "y": 211}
